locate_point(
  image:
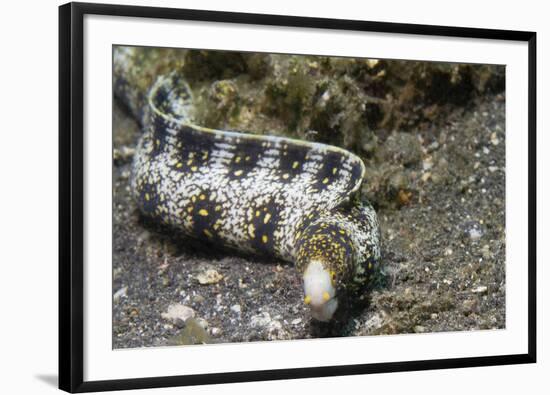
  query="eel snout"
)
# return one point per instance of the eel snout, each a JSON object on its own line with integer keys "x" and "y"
{"x": 320, "y": 294}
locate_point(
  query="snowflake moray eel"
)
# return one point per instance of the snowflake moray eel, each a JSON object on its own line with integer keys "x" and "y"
{"x": 295, "y": 200}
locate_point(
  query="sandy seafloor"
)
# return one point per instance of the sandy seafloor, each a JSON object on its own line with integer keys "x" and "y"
{"x": 443, "y": 251}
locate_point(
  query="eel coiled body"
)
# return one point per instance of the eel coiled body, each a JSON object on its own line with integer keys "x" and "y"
{"x": 295, "y": 200}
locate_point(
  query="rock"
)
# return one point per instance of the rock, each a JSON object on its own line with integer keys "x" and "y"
{"x": 123, "y": 155}
{"x": 296, "y": 321}
{"x": 426, "y": 176}
{"x": 121, "y": 293}
{"x": 236, "y": 309}
{"x": 374, "y": 322}
{"x": 272, "y": 329}
{"x": 178, "y": 314}
{"x": 475, "y": 234}
{"x": 433, "y": 146}
{"x": 143, "y": 237}
{"x": 215, "y": 331}
{"x": 261, "y": 320}
{"x": 419, "y": 329}
{"x": 125, "y": 174}
{"x": 494, "y": 139}
{"x": 193, "y": 333}
{"x": 404, "y": 197}
{"x": 210, "y": 276}
{"x": 371, "y": 63}
{"x": 482, "y": 289}
{"x": 427, "y": 163}
{"x": 276, "y": 332}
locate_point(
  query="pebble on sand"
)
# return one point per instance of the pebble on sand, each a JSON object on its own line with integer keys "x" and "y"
{"x": 178, "y": 313}
{"x": 208, "y": 277}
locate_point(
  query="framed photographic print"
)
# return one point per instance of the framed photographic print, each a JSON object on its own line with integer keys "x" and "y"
{"x": 357, "y": 195}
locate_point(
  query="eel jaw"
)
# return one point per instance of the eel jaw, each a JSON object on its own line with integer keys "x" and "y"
{"x": 319, "y": 292}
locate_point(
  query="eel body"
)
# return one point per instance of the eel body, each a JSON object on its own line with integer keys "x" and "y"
{"x": 295, "y": 200}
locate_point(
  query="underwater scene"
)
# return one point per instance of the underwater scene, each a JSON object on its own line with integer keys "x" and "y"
{"x": 261, "y": 197}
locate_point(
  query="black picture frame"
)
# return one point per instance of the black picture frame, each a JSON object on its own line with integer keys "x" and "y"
{"x": 71, "y": 198}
